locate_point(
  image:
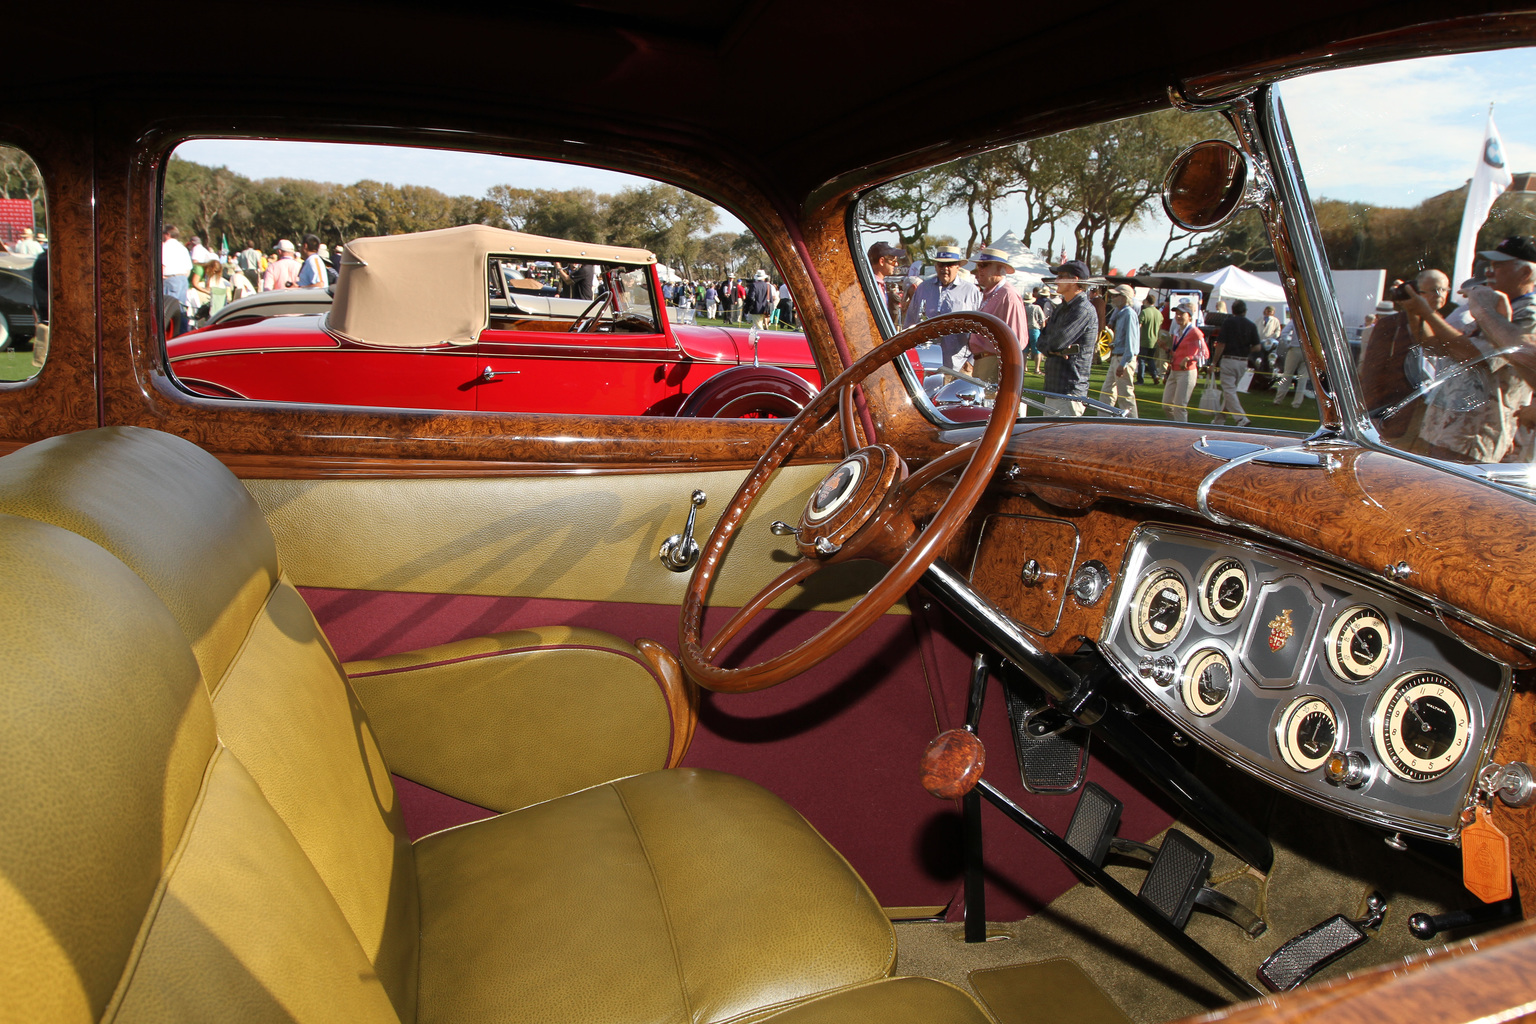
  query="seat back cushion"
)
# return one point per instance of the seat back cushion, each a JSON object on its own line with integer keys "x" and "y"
{"x": 170, "y": 511}
{"x": 143, "y": 876}
{"x": 179, "y": 519}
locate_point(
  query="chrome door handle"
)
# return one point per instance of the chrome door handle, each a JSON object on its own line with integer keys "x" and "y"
{"x": 489, "y": 374}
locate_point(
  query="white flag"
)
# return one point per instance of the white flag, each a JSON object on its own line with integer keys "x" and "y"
{"x": 1489, "y": 181}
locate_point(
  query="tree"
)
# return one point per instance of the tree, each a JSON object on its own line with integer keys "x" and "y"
{"x": 908, "y": 206}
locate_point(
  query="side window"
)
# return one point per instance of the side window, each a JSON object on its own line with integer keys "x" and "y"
{"x": 1069, "y": 230}
{"x": 404, "y": 278}
{"x": 23, "y": 267}
{"x": 1426, "y": 203}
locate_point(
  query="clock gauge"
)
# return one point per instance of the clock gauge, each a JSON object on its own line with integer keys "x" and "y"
{"x": 1421, "y": 726}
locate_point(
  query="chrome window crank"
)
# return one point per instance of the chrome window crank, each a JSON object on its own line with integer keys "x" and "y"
{"x": 680, "y": 552}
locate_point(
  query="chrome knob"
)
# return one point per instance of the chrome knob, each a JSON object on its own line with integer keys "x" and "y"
{"x": 1031, "y": 573}
{"x": 1351, "y": 769}
{"x": 1158, "y": 669}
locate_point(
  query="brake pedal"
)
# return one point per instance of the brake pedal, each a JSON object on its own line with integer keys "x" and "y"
{"x": 1051, "y": 748}
{"x": 1094, "y": 822}
{"x": 1177, "y": 875}
{"x": 1319, "y": 946}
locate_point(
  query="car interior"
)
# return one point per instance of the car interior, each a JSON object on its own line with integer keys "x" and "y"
{"x": 892, "y": 710}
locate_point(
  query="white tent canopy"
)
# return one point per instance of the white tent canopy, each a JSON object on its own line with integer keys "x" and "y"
{"x": 1233, "y": 283}
{"x": 1029, "y": 267}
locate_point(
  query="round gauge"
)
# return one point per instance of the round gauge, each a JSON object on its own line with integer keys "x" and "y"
{"x": 1223, "y": 590}
{"x": 1206, "y": 682}
{"x": 1308, "y": 733}
{"x": 1358, "y": 643}
{"x": 1159, "y": 609}
{"x": 1421, "y": 726}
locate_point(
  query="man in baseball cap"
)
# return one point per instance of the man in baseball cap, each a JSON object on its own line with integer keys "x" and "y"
{"x": 1003, "y": 302}
{"x": 944, "y": 292}
{"x": 1068, "y": 340}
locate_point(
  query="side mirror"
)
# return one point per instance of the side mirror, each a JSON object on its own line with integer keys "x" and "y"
{"x": 1205, "y": 185}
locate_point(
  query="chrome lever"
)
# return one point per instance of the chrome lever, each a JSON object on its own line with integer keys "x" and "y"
{"x": 779, "y": 528}
{"x": 680, "y": 552}
{"x": 489, "y": 374}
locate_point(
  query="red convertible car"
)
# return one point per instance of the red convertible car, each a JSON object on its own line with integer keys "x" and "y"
{"x": 448, "y": 320}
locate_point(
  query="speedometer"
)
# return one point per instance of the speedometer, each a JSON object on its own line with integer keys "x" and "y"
{"x": 1159, "y": 608}
{"x": 1358, "y": 643}
{"x": 1421, "y": 726}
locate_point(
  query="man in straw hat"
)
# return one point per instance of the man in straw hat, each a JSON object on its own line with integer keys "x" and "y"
{"x": 944, "y": 292}
{"x": 1003, "y": 302}
{"x": 1120, "y": 373}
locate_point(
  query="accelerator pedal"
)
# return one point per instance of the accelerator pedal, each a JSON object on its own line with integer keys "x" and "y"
{"x": 1051, "y": 748}
{"x": 1319, "y": 946}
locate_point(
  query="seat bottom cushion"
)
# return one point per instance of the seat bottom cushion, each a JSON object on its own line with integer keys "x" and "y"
{"x": 684, "y": 895}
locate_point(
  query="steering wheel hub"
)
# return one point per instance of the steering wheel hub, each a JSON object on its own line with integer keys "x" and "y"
{"x": 847, "y": 498}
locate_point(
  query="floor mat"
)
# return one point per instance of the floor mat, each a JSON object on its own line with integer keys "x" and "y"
{"x": 1050, "y": 992}
{"x": 1324, "y": 865}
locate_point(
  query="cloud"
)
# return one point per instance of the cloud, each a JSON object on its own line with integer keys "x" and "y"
{"x": 1396, "y": 134}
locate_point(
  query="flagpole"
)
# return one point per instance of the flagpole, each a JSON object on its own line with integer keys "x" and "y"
{"x": 1490, "y": 177}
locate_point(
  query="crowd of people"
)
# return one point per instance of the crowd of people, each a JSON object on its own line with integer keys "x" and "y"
{"x": 1451, "y": 380}
{"x": 201, "y": 281}
{"x": 756, "y": 300}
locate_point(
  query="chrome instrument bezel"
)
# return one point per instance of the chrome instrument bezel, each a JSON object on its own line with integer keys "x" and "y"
{"x": 1334, "y": 636}
{"x": 1292, "y": 718}
{"x": 1385, "y": 717}
{"x": 1426, "y": 809}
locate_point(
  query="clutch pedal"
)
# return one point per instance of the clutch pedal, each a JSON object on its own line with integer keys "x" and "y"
{"x": 1177, "y": 875}
{"x": 1319, "y": 946}
{"x": 1094, "y": 822}
{"x": 1052, "y": 749}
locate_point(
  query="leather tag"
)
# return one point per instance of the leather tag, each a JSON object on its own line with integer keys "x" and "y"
{"x": 1485, "y": 859}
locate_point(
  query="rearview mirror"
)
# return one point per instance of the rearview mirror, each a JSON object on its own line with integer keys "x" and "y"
{"x": 1205, "y": 185}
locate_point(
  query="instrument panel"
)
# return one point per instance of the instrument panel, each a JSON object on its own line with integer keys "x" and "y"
{"x": 1318, "y": 683}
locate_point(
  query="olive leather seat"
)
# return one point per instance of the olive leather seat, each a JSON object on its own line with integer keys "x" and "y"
{"x": 202, "y": 824}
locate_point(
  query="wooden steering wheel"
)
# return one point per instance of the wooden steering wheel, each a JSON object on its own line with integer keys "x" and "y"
{"x": 860, "y": 510}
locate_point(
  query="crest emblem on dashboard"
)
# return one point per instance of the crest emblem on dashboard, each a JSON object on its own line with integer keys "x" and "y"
{"x": 1281, "y": 629}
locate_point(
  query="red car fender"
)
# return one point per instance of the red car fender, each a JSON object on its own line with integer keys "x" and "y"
{"x": 748, "y": 391}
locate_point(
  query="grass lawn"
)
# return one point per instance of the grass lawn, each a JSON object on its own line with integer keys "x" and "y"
{"x": 15, "y": 365}
{"x": 1259, "y": 406}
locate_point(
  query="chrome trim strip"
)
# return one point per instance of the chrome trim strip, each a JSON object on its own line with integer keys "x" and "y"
{"x": 1303, "y": 259}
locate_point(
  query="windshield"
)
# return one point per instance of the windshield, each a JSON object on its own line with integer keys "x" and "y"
{"x": 1424, "y": 200}
{"x": 1121, "y": 312}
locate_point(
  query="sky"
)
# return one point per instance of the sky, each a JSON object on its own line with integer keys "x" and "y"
{"x": 1391, "y": 134}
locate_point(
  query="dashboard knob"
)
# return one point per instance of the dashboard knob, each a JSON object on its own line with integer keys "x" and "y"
{"x": 1350, "y": 768}
{"x": 1158, "y": 669}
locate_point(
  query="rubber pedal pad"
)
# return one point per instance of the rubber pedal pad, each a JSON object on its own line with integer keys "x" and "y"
{"x": 1177, "y": 875}
{"x": 1094, "y": 822}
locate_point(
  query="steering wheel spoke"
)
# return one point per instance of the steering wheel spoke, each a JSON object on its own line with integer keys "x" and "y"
{"x": 858, "y": 511}
{"x": 786, "y": 580}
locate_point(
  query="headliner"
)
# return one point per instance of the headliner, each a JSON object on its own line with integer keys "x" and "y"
{"x": 797, "y": 92}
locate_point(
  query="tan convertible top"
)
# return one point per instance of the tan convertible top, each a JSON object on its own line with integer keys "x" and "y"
{"x": 429, "y": 289}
